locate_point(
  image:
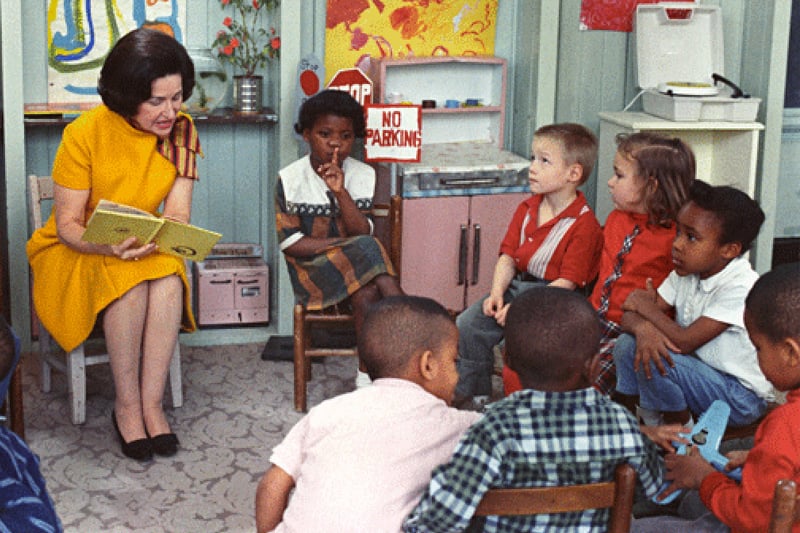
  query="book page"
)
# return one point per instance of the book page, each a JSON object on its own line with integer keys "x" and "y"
{"x": 185, "y": 240}
{"x": 112, "y": 227}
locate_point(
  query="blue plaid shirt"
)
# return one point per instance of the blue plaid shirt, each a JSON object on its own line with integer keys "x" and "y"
{"x": 537, "y": 439}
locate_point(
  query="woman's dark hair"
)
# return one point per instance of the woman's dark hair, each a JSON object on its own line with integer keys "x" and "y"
{"x": 331, "y": 102}
{"x": 139, "y": 58}
{"x": 740, "y": 217}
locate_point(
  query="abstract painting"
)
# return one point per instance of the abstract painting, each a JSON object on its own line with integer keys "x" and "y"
{"x": 80, "y": 33}
{"x": 358, "y": 30}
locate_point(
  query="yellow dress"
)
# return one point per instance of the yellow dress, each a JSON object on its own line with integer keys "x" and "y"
{"x": 100, "y": 151}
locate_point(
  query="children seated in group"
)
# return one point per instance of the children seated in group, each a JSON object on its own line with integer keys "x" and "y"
{"x": 559, "y": 430}
{"x": 553, "y": 238}
{"x": 676, "y": 367}
{"x": 652, "y": 176}
{"x": 772, "y": 319}
{"x": 361, "y": 461}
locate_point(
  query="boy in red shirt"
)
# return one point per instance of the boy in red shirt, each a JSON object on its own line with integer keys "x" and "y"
{"x": 554, "y": 239}
{"x": 772, "y": 318}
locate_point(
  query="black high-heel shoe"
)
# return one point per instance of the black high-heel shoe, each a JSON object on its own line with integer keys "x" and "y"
{"x": 165, "y": 445}
{"x": 139, "y": 449}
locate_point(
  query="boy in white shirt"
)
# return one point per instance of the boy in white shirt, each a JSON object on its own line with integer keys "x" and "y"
{"x": 675, "y": 368}
{"x": 361, "y": 461}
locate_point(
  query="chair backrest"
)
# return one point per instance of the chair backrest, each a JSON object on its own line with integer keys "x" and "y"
{"x": 40, "y": 189}
{"x": 784, "y": 507}
{"x": 617, "y": 495}
{"x": 388, "y": 219}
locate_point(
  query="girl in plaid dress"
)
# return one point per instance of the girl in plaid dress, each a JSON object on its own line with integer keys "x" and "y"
{"x": 322, "y": 201}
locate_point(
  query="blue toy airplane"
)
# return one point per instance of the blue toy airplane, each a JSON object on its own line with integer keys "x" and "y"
{"x": 706, "y": 437}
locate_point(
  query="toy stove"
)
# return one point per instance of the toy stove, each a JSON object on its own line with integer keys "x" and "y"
{"x": 463, "y": 168}
{"x": 680, "y": 60}
{"x": 232, "y": 286}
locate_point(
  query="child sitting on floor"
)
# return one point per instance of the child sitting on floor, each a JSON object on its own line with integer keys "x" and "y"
{"x": 558, "y": 430}
{"x": 677, "y": 367}
{"x": 361, "y": 461}
{"x": 553, "y": 239}
{"x": 772, "y": 318}
{"x": 652, "y": 176}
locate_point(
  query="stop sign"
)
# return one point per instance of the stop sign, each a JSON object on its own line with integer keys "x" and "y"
{"x": 355, "y": 82}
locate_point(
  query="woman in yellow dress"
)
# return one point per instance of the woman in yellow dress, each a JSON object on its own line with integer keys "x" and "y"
{"x": 135, "y": 149}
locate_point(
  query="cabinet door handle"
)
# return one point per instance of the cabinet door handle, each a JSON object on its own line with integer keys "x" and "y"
{"x": 468, "y": 182}
{"x": 476, "y": 253}
{"x": 221, "y": 281}
{"x": 462, "y": 256}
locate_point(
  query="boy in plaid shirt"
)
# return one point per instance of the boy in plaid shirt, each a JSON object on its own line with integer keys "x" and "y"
{"x": 557, "y": 431}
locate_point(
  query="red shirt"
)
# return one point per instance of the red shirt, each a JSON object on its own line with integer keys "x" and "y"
{"x": 650, "y": 257}
{"x": 775, "y": 455}
{"x": 568, "y": 246}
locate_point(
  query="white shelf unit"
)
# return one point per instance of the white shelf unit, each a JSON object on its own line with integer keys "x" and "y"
{"x": 726, "y": 152}
{"x": 449, "y": 78}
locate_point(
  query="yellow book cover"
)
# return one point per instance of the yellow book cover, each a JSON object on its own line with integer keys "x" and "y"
{"x": 112, "y": 223}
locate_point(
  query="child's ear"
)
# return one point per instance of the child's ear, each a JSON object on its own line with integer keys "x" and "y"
{"x": 575, "y": 172}
{"x": 792, "y": 351}
{"x": 428, "y": 365}
{"x": 731, "y": 250}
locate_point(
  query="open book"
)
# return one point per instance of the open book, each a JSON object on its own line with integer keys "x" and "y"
{"x": 112, "y": 223}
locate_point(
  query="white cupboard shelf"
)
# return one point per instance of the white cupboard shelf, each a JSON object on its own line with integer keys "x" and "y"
{"x": 482, "y": 78}
{"x": 726, "y": 152}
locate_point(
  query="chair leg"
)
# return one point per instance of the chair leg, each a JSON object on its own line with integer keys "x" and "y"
{"x": 44, "y": 352}
{"x": 76, "y": 382}
{"x": 175, "y": 378}
{"x": 300, "y": 376}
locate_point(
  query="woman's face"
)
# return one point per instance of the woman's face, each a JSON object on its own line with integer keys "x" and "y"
{"x": 157, "y": 114}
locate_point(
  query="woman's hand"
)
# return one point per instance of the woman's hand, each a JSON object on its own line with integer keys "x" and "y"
{"x": 129, "y": 249}
{"x": 332, "y": 173}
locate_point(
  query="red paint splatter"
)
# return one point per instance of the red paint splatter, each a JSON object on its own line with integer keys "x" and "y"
{"x": 406, "y": 20}
{"x": 344, "y": 12}
{"x": 359, "y": 39}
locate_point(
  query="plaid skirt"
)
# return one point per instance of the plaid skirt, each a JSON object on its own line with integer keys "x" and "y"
{"x": 340, "y": 270}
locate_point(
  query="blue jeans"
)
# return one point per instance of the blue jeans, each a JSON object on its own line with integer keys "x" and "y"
{"x": 478, "y": 334}
{"x": 690, "y": 384}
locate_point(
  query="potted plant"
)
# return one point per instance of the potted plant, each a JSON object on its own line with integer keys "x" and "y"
{"x": 246, "y": 44}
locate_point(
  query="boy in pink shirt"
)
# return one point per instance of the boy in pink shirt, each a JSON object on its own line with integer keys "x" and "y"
{"x": 361, "y": 461}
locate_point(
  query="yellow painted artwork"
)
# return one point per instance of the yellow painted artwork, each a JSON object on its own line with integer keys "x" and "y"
{"x": 357, "y": 30}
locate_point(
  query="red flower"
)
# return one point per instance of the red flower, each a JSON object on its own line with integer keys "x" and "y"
{"x": 226, "y": 2}
{"x": 235, "y": 42}
{"x": 228, "y": 50}
{"x": 221, "y": 34}
{"x": 227, "y": 22}
{"x": 275, "y": 42}
{"x": 255, "y": 4}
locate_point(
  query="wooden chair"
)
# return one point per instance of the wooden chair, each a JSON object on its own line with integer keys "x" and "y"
{"x": 74, "y": 363}
{"x": 617, "y": 495}
{"x": 785, "y": 509}
{"x": 388, "y": 229}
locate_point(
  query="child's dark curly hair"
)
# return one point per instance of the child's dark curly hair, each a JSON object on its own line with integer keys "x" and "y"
{"x": 739, "y": 215}
{"x": 331, "y": 102}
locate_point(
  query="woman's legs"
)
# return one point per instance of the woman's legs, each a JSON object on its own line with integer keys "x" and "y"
{"x": 123, "y": 323}
{"x": 162, "y": 323}
{"x": 141, "y": 329}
